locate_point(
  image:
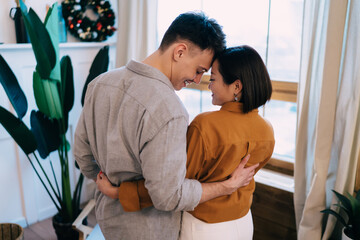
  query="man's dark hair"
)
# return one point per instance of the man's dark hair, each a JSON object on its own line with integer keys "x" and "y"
{"x": 197, "y": 28}
{"x": 244, "y": 63}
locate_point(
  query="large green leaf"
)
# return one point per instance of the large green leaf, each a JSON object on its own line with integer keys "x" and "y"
{"x": 67, "y": 84}
{"x": 345, "y": 202}
{"x": 67, "y": 89}
{"x": 47, "y": 96}
{"x": 355, "y": 209}
{"x": 40, "y": 40}
{"x": 358, "y": 195}
{"x": 46, "y": 132}
{"x": 52, "y": 26}
{"x": 12, "y": 89}
{"x": 99, "y": 65}
{"x": 338, "y": 216}
{"x": 18, "y": 130}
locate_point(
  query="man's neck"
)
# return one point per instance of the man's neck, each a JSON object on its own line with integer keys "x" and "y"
{"x": 159, "y": 60}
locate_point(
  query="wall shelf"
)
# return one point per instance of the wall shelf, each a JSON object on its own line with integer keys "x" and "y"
{"x": 18, "y": 46}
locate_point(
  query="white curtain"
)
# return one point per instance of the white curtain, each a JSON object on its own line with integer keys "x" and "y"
{"x": 137, "y": 24}
{"x": 328, "y": 135}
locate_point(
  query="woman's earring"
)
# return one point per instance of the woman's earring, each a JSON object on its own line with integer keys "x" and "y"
{"x": 235, "y": 98}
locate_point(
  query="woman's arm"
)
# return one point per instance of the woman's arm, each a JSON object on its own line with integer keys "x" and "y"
{"x": 105, "y": 186}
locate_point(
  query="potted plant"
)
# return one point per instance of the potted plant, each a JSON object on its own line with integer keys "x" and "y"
{"x": 54, "y": 96}
{"x": 351, "y": 208}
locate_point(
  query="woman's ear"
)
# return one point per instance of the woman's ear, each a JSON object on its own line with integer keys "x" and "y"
{"x": 238, "y": 86}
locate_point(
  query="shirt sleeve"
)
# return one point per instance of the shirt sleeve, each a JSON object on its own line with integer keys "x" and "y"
{"x": 163, "y": 162}
{"x": 82, "y": 150}
{"x": 133, "y": 196}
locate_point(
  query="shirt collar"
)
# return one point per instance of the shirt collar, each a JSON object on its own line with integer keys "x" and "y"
{"x": 235, "y": 107}
{"x": 149, "y": 71}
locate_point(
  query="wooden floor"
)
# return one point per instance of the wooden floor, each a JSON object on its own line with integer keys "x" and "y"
{"x": 44, "y": 230}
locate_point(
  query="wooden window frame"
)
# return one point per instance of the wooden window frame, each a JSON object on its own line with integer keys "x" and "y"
{"x": 282, "y": 91}
{"x": 357, "y": 177}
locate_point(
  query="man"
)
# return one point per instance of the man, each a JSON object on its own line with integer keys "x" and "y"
{"x": 133, "y": 126}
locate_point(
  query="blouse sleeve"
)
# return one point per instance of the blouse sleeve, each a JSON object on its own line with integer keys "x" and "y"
{"x": 196, "y": 153}
{"x": 133, "y": 196}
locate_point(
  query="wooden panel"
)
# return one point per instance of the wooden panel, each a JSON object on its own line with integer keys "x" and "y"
{"x": 271, "y": 231}
{"x": 284, "y": 91}
{"x": 203, "y": 86}
{"x": 284, "y": 96}
{"x": 281, "y": 166}
{"x": 273, "y": 214}
{"x": 357, "y": 177}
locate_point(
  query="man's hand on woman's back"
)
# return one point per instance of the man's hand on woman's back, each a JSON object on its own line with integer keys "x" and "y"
{"x": 241, "y": 176}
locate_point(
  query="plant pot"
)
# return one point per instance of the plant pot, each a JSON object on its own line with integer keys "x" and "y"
{"x": 344, "y": 236}
{"x": 11, "y": 231}
{"x": 64, "y": 231}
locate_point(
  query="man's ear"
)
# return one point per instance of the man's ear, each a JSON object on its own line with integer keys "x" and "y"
{"x": 179, "y": 51}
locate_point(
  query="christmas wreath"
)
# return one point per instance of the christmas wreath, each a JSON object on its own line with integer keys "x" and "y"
{"x": 83, "y": 27}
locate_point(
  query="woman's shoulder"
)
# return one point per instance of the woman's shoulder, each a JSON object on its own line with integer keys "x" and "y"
{"x": 206, "y": 117}
{"x": 266, "y": 123}
{"x": 264, "y": 127}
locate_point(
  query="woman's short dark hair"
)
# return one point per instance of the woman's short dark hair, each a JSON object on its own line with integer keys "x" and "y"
{"x": 244, "y": 63}
{"x": 197, "y": 28}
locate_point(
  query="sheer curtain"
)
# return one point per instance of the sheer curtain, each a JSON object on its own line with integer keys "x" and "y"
{"x": 137, "y": 23}
{"x": 328, "y": 134}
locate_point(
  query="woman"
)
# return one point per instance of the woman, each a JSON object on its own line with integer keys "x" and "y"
{"x": 239, "y": 84}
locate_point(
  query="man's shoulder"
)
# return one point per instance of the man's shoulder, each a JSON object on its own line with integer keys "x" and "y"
{"x": 152, "y": 94}
{"x": 165, "y": 104}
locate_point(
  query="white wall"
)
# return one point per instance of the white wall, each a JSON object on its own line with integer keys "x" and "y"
{"x": 24, "y": 200}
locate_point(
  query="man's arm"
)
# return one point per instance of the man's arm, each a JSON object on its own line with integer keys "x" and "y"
{"x": 163, "y": 165}
{"x": 239, "y": 178}
{"x": 134, "y": 196}
{"x": 196, "y": 156}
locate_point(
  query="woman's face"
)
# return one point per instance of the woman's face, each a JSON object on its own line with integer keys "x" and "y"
{"x": 221, "y": 92}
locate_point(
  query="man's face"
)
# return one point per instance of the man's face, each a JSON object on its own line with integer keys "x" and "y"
{"x": 190, "y": 67}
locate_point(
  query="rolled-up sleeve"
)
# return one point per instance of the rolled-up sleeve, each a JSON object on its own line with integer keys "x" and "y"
{"x": 163, "y": 161}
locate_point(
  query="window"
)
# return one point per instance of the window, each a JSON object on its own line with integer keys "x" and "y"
{"x": 273, "y": 28}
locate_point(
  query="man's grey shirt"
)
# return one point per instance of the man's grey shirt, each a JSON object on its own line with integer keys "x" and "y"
{"x": 133, "y": 126}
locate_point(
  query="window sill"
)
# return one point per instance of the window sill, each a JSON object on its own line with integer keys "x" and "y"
{"x": 275, "y": 179}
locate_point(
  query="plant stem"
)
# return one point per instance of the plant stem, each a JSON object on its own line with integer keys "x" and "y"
{"x": 56, "y": 182}
{"x": 47, "y": 190}
{"x": 77, "y": 194}
{"x": 57, "y": 196}
{"x": 66, "y": 188}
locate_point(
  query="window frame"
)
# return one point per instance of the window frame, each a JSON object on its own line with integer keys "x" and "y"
{"x": 357, "y": 177}
{"x": 282, "y": 91}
